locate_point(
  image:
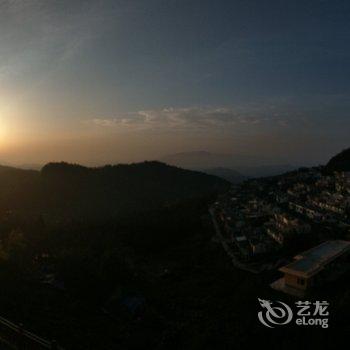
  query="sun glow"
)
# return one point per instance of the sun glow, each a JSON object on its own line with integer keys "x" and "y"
{"x": 4, "y": 130}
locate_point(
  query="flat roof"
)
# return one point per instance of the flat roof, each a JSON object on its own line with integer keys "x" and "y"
{"x": 313, "y": 260}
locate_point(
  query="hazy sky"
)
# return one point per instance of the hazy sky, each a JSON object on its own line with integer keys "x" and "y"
{"x": 109, "y": 81}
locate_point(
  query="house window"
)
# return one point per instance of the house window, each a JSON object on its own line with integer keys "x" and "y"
{"x": 301, "y": 281}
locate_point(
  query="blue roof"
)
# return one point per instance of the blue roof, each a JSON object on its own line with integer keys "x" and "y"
{"x": 311, "y": 261}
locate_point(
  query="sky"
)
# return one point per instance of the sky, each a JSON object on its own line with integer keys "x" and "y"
{"x": 108, "y": 81}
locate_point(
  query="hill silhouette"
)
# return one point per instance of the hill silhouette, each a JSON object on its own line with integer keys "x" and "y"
{"x": 340, "y": 162}
{"x": 71, "y": 189}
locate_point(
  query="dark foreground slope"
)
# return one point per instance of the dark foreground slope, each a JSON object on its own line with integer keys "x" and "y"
{"x": 157, "y": 279}
{"x": 75, "y": 279}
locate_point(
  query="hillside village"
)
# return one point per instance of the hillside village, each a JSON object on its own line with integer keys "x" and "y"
{"x": 263, "y": 220}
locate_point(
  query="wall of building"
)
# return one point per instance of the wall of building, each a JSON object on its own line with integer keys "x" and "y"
{"x": 297, "y": 282}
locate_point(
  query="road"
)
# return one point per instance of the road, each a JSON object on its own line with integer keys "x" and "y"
{"x": 235, "y": 261}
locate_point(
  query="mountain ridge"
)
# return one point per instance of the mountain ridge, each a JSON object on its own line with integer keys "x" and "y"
{"x": 74, "y": 190}
{"x": 340, "y": 162}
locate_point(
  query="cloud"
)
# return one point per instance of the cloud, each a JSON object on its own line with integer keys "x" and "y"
{"x": 195, "y": 119}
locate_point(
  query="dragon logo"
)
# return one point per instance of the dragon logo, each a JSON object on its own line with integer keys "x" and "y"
{"x": 274, "y": 315}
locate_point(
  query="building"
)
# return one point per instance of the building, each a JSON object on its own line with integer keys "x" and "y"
{"x": 342, "y": 182}
{"x": 307, "y": 211}
{"x": 314, "y": 267}
{"x": 284, "y": 228}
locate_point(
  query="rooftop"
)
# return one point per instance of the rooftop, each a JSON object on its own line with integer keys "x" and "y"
{"x": 313, "y": 260}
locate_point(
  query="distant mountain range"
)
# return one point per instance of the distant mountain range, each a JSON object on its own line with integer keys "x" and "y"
{"x": 227, "y": 174}
{"x": 245, "y": 165}
{"x": 74, "y": 190}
